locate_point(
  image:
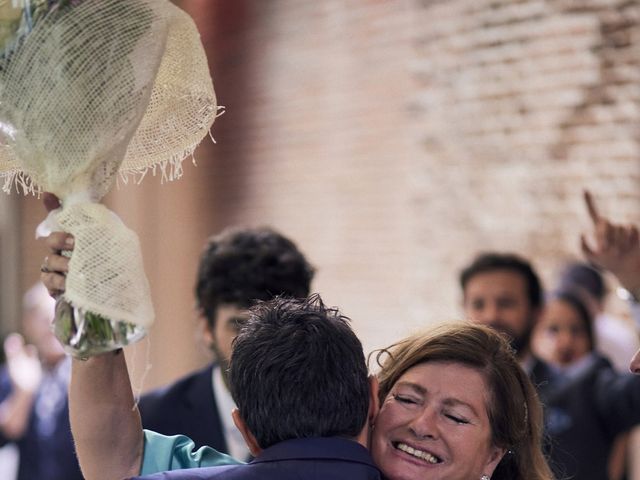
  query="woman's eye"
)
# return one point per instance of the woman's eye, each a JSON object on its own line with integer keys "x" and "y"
{"x": 404, "y": 399}
{"x": 456, "y": 419}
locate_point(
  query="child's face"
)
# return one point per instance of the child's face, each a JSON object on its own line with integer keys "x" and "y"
{"x": 560, "y": 337}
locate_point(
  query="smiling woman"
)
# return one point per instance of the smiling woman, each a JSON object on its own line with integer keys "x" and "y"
{"x": 457, "y": 406}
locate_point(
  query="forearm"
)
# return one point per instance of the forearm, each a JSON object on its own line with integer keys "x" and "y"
{"x": 15, "y": 412}
{"x": 104, "y": 419}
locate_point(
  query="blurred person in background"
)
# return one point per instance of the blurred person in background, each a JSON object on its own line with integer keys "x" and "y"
{"x": 237, "y": 268}
{"x": 564, "y": 338}
{"x": 8, "y": 453}
{"x": 33, "y": 395}
{"x": 584, "y": 413}
{"x": 614, "y": 338}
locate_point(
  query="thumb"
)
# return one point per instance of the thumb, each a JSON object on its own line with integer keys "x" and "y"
{"x": 586, "y": 249}
{"x": 51, "y": 202}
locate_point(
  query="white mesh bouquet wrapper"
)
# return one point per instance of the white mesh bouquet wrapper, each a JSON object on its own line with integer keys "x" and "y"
{"x": 97, "y": 89}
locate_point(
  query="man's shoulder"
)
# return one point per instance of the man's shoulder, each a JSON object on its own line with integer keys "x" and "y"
{"x": 274, "y": 470}
{"x": 206, "y": 473}
{"x": 197, "y": 380}
{"x": 311, "y": 458}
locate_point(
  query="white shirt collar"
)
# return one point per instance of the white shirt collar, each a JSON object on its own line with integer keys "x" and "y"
{"x": 237, "y": 447}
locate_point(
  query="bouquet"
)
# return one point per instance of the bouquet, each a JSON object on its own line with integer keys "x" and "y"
{"x": 91, "y": 90}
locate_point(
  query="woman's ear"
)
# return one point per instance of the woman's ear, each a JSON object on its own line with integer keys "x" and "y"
{"x": 249, "y": 438}
{"x": 495, "y": 456}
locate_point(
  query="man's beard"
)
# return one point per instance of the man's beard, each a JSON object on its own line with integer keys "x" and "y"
{"x": 222, "y": 362}
{"x": 519, "y": 343}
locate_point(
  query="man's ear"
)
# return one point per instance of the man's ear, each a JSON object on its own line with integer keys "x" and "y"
{"x": 374, "y": 401}
{"x": 206, "y": 329}
{"x": 374, "y": 406}
{"x": 249, "y": 438}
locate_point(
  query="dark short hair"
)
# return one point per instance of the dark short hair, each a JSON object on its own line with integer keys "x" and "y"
{"x": 297, "y": 370}
{"x": 490, "y": 262}
{"x": 241, "y": 266}
{"x": 582, "y": 275}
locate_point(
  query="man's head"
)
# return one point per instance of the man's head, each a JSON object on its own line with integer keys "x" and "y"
{"x": 583, "y": 276}
{"x": 238, "y": 268}
{"x": 298, "y": 371}
{"x": 504, "y": 292}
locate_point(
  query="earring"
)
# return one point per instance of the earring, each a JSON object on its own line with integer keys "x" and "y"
{"x": 485, "y": 477}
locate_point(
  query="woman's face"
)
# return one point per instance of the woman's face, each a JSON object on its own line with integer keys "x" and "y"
{"x": 560, "y": 337}
{"x": 434, "y": 425}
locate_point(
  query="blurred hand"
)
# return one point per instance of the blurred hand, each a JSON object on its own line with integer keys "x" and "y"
{"x": 23, "y": 364}
{"x": 613, "y": 247}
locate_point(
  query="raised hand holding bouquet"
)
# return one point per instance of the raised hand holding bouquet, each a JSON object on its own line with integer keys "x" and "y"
{"x": 89, "y": 90}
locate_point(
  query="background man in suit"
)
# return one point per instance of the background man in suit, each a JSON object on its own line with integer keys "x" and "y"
{"x": 33, "y": 395}
{"x": 237, "y": 268}
{"x": 299, "y": 377}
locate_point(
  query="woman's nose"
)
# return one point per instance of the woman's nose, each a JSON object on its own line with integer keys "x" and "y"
{"x": 424, "y": 425}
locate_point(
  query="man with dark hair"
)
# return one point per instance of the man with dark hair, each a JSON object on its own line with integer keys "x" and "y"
{"x": 503, "y": 291}
{"x": 299, "y": 378}
{"x": 236, "y": 269}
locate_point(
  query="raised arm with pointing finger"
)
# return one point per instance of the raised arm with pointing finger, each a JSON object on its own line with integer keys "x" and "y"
{"x": 616, "y": 248}
{"x": 613, "y": 247}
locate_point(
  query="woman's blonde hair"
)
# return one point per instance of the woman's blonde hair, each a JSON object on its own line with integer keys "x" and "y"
{"x": 515, "y": 412}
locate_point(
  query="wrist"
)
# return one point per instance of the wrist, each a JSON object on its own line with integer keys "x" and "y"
{"x": 629, "y": 294}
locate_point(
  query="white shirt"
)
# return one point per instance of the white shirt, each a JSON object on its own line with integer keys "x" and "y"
{"x": 237, "y": 448}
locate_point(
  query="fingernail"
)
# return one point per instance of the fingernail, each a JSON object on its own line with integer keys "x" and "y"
{"x": 69, "y": 241}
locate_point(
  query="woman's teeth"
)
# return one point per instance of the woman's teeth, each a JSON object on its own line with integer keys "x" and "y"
{"x": 417, "y": 453}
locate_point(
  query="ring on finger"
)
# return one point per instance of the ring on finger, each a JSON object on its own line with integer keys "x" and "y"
{"x": 44, "y": 268}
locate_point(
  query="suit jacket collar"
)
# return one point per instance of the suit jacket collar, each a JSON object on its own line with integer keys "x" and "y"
{"x": 333, "y": 448}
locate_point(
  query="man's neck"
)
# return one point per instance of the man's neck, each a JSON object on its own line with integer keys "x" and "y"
{"x": 363, "y": 436}
{"x": 525, "y": 359}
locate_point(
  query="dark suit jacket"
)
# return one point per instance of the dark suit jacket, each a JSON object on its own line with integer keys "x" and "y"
{"x": 584, "y": 414}
{"x": 300, "y": 459}
{"x": 186, "y": 407}
{"x": 44, "y": 457}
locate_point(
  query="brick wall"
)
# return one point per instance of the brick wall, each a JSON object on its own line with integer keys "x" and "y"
{"x": 393, "y": 140}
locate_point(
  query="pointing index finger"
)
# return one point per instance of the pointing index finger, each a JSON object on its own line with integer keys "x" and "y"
{"x": 591, "y": 207}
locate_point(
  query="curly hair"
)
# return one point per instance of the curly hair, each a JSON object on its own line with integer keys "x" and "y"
{"x": 241, "y": 266}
